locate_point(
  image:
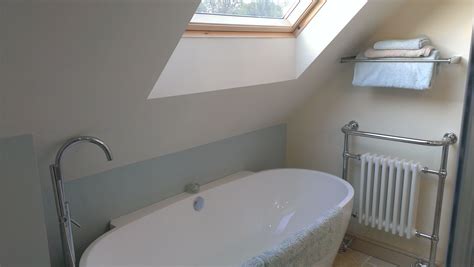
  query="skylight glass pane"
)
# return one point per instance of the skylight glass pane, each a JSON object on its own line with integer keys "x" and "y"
{"x": 275, "y": 9}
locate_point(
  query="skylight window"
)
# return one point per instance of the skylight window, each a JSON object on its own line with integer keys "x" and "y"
{"x": 253, "y": 15}
{"x": 275, "y": 9}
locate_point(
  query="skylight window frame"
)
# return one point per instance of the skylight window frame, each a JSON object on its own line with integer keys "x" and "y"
{"x": 292, "y": 23}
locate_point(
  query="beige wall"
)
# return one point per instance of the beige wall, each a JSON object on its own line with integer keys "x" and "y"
{"x": 315, "y": 139}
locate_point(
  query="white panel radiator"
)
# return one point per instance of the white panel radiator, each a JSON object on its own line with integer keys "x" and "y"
{"x": 388, "y": 194}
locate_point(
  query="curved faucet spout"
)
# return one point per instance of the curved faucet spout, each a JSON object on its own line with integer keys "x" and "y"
{"x": 62, "y": 205}
{"x": 80, "y": 139}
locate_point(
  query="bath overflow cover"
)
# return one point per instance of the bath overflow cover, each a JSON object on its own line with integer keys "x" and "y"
{"x": 198, "y": 203}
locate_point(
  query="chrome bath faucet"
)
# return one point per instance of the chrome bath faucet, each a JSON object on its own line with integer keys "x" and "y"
{"x": 62, "y": 205}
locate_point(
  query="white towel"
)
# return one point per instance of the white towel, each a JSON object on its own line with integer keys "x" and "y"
{"x": 423, "y": 52}
{"x": 409, "y": 75}
{"x": 416, "y": 43}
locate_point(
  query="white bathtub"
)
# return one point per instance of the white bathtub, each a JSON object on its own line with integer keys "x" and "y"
{"x": 243, "y": 215}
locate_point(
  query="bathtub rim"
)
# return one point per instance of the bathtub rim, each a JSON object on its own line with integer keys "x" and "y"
{"x": 140, "y": 213}
{"x": 121, "y": 221}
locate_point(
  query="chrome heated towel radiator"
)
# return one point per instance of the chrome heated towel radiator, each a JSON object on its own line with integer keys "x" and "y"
{"x": 352, "y": 129}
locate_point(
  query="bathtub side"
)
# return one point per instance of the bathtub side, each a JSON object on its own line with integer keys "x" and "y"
{"x": 263, "y": 192}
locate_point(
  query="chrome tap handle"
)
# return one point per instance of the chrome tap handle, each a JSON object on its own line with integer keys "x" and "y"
{"x": 192, "y": 188}
{"x": 75, "y": 223}
{"x": 69, "y": 217}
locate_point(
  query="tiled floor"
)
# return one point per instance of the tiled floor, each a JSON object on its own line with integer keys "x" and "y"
{"x": 353, "y": 258}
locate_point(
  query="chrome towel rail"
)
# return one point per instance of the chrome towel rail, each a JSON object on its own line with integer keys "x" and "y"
{"x": 352, "y": 129}
{"x": 353, "y": 59}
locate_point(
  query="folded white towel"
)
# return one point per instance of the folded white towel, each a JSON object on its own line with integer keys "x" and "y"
{"x": 400, "y": 75}
{"x": 416, "y": 43}
{"x": 423, "y": 52}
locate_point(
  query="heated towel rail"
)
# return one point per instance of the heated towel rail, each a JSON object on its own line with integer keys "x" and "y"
{"x": 352, "y": 129}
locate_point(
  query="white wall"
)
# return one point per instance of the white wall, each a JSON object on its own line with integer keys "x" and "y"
{"x": 315, "y": 140}
{"x": 323, "y": 28}
{"x": 90, "y": 70}
{"x": 69, "y": 68}
{"x": 201, "y": 64}
{"x": 75, "y": 67}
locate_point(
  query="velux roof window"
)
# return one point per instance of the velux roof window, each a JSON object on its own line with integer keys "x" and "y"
{"x": 253, "y": 15}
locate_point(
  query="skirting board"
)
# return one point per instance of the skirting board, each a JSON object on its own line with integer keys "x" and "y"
{"x": 383, "y": 251}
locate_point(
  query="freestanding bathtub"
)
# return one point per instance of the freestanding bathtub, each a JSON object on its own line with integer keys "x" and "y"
{"x": 227, "y": 223}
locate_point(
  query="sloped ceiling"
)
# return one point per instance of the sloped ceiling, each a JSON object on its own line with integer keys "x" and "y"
{"x": 211, "y": 64}
{"x": 86, "y": 67}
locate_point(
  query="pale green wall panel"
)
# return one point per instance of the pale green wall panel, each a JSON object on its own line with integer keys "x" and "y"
{"x": 97, "y": 199}
{"x": 23, "y": 241}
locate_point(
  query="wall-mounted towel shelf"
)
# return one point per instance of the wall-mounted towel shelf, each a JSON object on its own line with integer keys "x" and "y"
{"x": 451, "y": 60}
